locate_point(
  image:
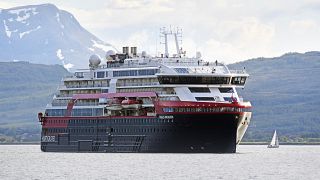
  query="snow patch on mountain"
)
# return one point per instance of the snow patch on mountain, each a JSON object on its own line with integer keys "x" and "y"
{"x": 23, "y": 14}
{"x": 100, "y": 46}
{"x": 68, "y": 66}
{"x": 28, "y": 32}
{"x": 58, "y": 19}
{"x": 8, "y": 32}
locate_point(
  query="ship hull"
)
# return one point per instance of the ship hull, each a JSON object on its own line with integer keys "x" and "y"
{"x": 167, "y": 133}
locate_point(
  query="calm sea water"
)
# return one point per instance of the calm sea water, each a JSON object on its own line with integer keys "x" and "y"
{"x": 251, "y": 162}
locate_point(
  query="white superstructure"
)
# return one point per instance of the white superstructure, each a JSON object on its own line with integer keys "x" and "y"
{"x": 176, "y": 78}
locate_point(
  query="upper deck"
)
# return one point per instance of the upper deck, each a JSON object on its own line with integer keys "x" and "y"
{"x": 156, "y": 66}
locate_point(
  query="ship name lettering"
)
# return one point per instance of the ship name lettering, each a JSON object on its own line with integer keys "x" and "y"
{"x": 48, "y": 138}
{"x": 166, "y": 117}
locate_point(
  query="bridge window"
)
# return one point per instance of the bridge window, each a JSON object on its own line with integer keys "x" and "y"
{"x": 199, "y": 90}
{"x": 238, "y": 80}
{"x": 193, "y": 80}
{"x": 226, "y": 90}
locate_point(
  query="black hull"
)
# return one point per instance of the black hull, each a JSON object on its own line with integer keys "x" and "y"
{"x": 179, "y": 133}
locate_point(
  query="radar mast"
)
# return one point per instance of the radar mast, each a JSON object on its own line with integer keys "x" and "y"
{"x": 177, "y": 33}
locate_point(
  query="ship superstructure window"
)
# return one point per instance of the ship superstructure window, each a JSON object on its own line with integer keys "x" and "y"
{"x": 78, "y": 74}
{"x": 226, "y": 90}
{"x": 205, "y": 98}
{"x": 87, "y": 112}
{"x": 199, "y": 90}
{"x": 76, "y": 112}
{"x": 55, "y": 112}
{"x": 182, "y": 70}
{"x": 147, "y": 89}
{"x": 193, "y": 80}
{"x": 100, "y": 74}
{"x": 227, "y": 99}
{"x": 238, "y": 80}
{"x": 141, "y": 72}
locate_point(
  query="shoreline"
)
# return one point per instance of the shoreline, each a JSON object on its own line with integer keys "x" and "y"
{"x": 281, "y": 143}
{"x": 242, "y": 143}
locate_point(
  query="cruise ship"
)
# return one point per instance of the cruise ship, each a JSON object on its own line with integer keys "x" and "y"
{"x": 132, "y": 102}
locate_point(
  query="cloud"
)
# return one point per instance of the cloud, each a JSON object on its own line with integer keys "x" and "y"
{"x": 7, "y": 4}
{"x": 228, "y": 30}
{"x": 303, "y": 24}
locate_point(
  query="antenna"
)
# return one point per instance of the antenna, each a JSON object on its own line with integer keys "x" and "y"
{"x": 177, "y": 33}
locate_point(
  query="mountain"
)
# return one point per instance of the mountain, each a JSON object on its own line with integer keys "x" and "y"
{"x": 25, "y": 90}
{"x": 284, "y": 92}
{"x": 44, "y": 34}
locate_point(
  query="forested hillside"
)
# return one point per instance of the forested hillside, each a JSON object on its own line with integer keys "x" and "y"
{"x": 285, "y": 94}
{"x": 25, "y": 90}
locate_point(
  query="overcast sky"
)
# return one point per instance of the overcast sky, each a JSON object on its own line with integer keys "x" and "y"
{"x": 227, "y": 30}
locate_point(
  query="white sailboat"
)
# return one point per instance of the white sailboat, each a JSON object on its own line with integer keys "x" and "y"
{"x": 275, "y": 141}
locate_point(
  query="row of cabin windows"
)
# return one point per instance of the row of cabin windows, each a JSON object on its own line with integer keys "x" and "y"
{"x": 115, "y": 130}
{"x": 141, "y": 72}
{"x": 102, "y": 121}
{"x": 203, "y": 109}
{"x": 76, "y": 112}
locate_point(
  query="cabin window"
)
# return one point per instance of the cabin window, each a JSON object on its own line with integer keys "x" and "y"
{"x": 100, "y": 74}
{"x": 79, "y": 74}
{"x": 104, "y": 90}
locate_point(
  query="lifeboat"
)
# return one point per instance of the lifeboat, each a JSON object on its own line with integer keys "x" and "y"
{"x": 131, "y": 104}
{"x": 114, "y": 105}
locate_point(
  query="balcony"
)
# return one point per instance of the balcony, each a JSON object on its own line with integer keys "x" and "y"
{"x": 138, "y": 84}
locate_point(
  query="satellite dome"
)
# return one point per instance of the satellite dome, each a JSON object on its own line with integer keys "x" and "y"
{"x": 109, "y": 54}
{"x": 198, "y": 55}
{"x": 94, "y": 60}
{"x": 143, "y": 53}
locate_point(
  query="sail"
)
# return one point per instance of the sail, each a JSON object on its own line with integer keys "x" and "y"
{"x": 277, "y": 141}
{"x": 274, "y": 140}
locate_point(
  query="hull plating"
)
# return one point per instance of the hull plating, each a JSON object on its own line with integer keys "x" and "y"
{"x": 198, "y": 133}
